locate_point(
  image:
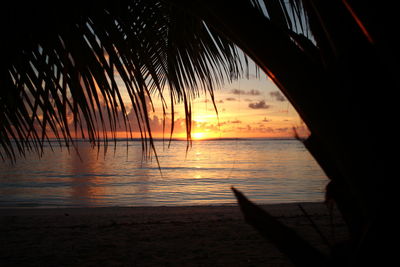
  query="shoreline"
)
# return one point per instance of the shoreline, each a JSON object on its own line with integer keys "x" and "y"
{"x": 169, "y": 206}
{"x": 213, "y": 235}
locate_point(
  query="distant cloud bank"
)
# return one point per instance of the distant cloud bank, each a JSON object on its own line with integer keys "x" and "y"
{"x": 243, "y": 92}
{"x": 277, "y": 96}
{"x": 259, "y": 105}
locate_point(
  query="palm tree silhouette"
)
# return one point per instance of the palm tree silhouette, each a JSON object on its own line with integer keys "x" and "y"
{"x": 332, "y": 59}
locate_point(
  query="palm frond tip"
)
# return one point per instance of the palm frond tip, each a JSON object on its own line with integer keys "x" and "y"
{"x": 65, "y": 65}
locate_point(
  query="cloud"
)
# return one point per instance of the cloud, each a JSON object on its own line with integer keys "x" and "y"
{"x": 283, "y": 129}
{"x": 247, "y": 128}
{"x": 259, "y": 105}
{"x": 209, "y": 101}
{"x": 238, "y": 92}
{"x": 253, "y": 92}
{"x": 243, "y": 92}
{"x": 277, "y": 96}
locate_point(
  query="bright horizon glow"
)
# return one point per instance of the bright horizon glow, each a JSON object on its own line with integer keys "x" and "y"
{"x": 198, "y": 136}
{"x": 253, "y": 108}
{"x": 247, "y": 108}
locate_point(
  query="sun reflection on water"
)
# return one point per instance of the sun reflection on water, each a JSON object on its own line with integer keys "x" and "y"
{"x": 267, "y": 171}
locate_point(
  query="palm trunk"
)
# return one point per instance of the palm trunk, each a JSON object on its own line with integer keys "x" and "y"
{"x": 334, "y": 98}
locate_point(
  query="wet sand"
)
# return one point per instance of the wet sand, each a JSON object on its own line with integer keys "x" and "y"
{"x": 153, "y": 236}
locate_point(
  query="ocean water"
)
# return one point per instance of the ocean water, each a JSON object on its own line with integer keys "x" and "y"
{"x": 267, "y": 171}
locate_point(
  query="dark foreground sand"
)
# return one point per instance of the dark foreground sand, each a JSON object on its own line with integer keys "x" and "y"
{"x": 152, "y": 236}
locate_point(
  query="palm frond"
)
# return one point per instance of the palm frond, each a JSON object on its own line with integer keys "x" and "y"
{"x": 60, "y": 76}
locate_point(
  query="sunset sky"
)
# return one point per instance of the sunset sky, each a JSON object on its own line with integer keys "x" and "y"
{"x": 247, "y": 108}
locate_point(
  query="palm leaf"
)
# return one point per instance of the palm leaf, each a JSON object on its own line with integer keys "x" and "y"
{"x": 298, "y": 250}
{"x": 61, "y": 63}
{"x": 65, "y": 61}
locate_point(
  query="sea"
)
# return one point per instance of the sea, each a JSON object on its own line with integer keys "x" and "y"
{"x": 121, "y": 174}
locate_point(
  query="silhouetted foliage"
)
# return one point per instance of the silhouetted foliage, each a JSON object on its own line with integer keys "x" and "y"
{"x": 335, "y": 61}
{"x": 63, "y": 60}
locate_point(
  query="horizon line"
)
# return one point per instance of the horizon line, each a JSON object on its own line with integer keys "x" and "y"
{"x": 123, "y": 139}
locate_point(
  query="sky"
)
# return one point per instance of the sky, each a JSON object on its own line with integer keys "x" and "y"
{"x": 251, "y": 107}
{"x": 247, "y": 108}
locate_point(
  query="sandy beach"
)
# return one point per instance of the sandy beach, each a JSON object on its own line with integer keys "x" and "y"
{"x": 153, "y": 236}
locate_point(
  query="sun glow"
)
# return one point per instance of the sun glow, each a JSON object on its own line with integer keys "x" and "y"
{"x": 252, "y": 108}
{"x": 198, "y": 135}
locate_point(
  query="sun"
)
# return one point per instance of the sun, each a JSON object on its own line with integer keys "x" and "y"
{"x": 198, "y": 135}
